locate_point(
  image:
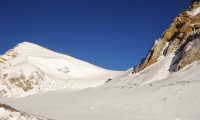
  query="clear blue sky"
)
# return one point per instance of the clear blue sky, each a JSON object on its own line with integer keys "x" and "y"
{"x": 114, "y": 34}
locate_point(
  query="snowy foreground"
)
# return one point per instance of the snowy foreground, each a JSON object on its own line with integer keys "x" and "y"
{"x": 153, "y": 94}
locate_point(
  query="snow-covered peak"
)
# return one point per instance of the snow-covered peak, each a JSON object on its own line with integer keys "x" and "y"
{"x": 29, "y": 46}
{"x": 25, "y": 43}
{"x": 30, "y": 67}
{"x": 33, "y": 49}
{"x": 27, "y": 51}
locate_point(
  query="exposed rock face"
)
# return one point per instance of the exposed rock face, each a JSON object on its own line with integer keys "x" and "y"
{"x": 194, "y": 3}
{"x": 182, "y": 37}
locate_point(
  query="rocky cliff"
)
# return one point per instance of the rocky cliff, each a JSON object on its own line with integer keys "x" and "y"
{"x": 181, "y": 38}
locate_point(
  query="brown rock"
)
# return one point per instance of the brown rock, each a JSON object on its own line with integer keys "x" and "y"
{"x": 186, "y": 29}
{"x": 152, "y": 56}
{"x": 197, "y": 26}
{"x": 172, "y": 46}
{"x": 169, "y": 34}
{"x": 178, "y": 41}
{"x": 195, "y": 3}
{"x": 190, "y": 53}
{"x": 181, "y": 35}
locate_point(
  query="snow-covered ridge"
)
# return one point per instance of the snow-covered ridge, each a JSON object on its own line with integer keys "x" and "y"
{"x": 29, "y": 68}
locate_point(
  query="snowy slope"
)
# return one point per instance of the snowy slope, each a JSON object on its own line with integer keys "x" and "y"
{"x": 29, "y": 68}
{"x": 146, "y": 95}
{"x": 154, "y": 93}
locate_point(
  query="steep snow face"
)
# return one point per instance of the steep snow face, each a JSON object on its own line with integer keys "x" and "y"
{"x": 29, "y": 68}
{"x": 164, "y": 68}
{"x": 156, "y": 72}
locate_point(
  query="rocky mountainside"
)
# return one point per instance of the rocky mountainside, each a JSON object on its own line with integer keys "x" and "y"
{"x": 29, "y": 68}
{"x": 182, "y": 38}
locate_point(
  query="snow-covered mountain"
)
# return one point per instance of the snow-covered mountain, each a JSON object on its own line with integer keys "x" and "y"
{"x": 29, "y": 68}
